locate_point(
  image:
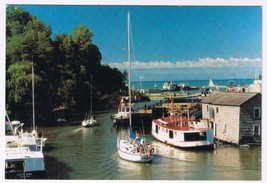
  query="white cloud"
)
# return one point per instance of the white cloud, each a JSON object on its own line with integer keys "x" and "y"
{"x": 201, "y": 63}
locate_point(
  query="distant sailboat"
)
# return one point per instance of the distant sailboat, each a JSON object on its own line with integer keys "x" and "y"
{"x": 90, "y": 120}
{"x": 133, "y": 149}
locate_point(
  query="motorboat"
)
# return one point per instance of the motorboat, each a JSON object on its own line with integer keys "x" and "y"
{"x": 24, "y": 157}
{"x": 33, "y": 140}
{"x": 22, "y": 163}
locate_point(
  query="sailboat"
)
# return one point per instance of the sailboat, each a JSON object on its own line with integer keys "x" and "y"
{"x": 90, "y": 119}
{"x": 134, "y": 148}
{"x": 33, "y": 140}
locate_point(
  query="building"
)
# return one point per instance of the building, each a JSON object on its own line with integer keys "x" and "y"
{"x": 256, "y": 86}
{"x": 234, "y": 117}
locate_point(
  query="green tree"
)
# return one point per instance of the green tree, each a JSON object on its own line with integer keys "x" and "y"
{"x": 63, "y": 68}
{"x": 28, "y": 41}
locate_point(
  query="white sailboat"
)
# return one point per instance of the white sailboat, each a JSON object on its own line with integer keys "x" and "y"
{"x": 90, "y": 120}
{"x": 133, "y": 148}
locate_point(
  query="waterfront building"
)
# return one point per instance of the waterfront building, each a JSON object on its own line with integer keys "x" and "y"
{"x": 256, "y": 86}
{"x": 234, "y": 117}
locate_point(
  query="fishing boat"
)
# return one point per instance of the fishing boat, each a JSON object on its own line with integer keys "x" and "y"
{"x": 133, "y": 148}
{"x": 182, "y": 132}
{"x": 90, "y": 119}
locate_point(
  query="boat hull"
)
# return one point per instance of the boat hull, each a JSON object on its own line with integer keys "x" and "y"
{"x": 26, "y": 175}
{"x": 89, "y": 123}
{"x": 126, "y": 152}
{"x": 21, "y": 163}
{"x": 186, "y": 139}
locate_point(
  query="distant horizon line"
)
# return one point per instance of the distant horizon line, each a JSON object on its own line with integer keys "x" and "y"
{"x": 192, "y": 80}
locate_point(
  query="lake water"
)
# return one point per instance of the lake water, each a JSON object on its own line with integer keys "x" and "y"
{"x": 75, "y": 152}
{"x": 199, "y": 83}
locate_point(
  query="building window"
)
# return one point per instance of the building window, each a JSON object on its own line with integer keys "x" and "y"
{"x": 257, "y": 112}
{"x": 217, "y": 109}
{"x": 224, "y": 128}
{"x": 256, "y": 130}
{"x": 212, "y": 113}
{"x": 207, "y": 108}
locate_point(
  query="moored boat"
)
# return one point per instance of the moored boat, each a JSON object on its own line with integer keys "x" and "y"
{"x": 22, "y": 163}
{"x": 182, "y": 132}
{"x": 24, "y": 157}
{"x": 123, "y": 114}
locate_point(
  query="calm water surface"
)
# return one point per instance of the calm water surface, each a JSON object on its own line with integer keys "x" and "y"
{"x": 75, "y": 152}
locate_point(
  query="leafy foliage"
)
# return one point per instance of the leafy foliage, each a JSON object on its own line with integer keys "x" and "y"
{"x": 63, "y": 68}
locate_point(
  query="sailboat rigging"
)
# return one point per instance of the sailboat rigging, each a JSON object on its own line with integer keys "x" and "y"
{"x": 90, "y": 119}
{"x": 133, "y": 149}
{"x": 33, "y": 104}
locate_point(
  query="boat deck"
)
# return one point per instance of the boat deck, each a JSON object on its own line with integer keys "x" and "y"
{"x": 178, "y": 123}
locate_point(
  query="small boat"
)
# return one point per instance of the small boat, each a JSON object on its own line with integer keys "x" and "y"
{"x": 133, "y": 148}
{"x": 182, "y": 132}
{"x": 32, "y": 140}
{"x": 169, "y": 86}
{"x": 207, "y": 90}
{"x": 123, "y": 114}
{"x": 24, "y": 157}
{"x": 90, "y": 120}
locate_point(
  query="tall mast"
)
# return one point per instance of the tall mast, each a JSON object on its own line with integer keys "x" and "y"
{"x": 91, "y": 102}
{"x": 129, "y": 77}
{"x": 33, "y": 105}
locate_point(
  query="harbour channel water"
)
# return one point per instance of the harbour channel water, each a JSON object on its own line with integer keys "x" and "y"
{"x": 75, "y": 152}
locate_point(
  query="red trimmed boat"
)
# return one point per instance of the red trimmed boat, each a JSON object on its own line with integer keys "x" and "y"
{"x": 182, "y": 132}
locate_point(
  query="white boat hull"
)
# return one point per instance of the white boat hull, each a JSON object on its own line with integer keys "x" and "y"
{"x": 89, "y": 123}
{"x": 21, "y": 163}
{"x": 128, "y": 152}
{"x": 197, "y": 138}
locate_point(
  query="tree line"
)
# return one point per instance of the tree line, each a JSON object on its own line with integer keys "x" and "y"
{"x": 63, "y": 66}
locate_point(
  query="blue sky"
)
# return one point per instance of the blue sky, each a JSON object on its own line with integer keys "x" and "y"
{"x": 181, "y": 42}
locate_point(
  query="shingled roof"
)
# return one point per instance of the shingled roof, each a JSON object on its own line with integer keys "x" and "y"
{"x": 228, "y": 98}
